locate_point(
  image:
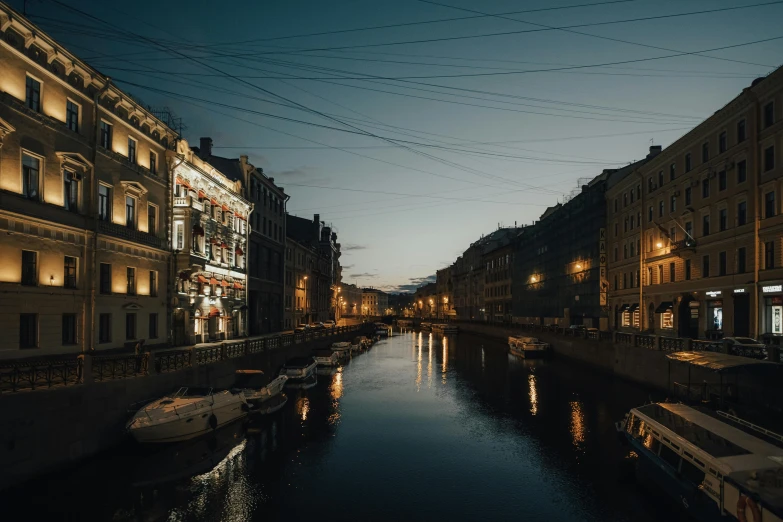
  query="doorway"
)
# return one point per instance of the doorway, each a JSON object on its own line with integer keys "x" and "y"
{"x": 741, "y": 315}
{"x": 688, "y": 315}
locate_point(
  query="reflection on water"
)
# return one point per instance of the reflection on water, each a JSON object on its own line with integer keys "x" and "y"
{"x": 531, "y": 379}
{"x": 495, "y": 442}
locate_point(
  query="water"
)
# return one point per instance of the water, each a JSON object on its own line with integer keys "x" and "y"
{"x": 418, "y": 428}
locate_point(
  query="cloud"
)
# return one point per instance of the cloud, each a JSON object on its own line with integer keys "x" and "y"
{"x": 351, "y": 246}
{"x": 362, "y": 275}
{"x": 412, "y": 284}
{"x": 347, "y": 267}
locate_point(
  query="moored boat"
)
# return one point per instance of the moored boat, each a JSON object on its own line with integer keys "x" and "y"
{"x": 711, "y": 465}
{"x": 186, "y": 414}
{"x": 326, "y": 357}
{"x": 382, "y": 330}
{"x": 426, "y": 326}
{"x": 272, "y": 405}
{"x": 446, "y": 329}
{"x": 298, "y": 370}
{"x": 253, "y": 384}
{"x": 343, "y": 349}
{"x": 528, "y": 347}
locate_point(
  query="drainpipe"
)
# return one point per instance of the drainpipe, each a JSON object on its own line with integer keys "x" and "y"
{"x": 94, "y": 211}
{"x": 756, "y": 184}
{"x": 641, "y": 254}
{"x": 172, "y": 264}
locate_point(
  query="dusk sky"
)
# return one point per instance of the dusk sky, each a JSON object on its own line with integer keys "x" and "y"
{"x": 457, "y": 135}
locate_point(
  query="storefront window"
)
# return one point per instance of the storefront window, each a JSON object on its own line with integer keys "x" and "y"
{"x": 714, "y": 315}
{"x": 774, "y": 314}
{"x": 667, "y": 319}
{"x": 626, "y": 319}
{"x": 636, "y": 319}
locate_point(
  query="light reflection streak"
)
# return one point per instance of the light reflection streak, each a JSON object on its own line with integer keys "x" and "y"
{"x": 483, "y": 362}
{"x": 302, "y": 407}
{"x": 445, "y": 358}
{"x": 418, "y": 370}
{"x": 337, "y": 384}
{"x": 429, "y": 367}
{"x": 531, "y": 380}
{"x": 577, "y": 423}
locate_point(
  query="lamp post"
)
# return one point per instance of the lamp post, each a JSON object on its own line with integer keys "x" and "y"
{"x": 306, "y": 304}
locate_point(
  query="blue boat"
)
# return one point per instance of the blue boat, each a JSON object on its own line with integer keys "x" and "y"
{"x": 717, "y": 467}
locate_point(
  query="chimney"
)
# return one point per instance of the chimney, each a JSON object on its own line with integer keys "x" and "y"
{"x": 654, "y": 151}
{"x": 205, "y": 148}
{"x": 243, "y": 159}
{"x": 317, "y": 218}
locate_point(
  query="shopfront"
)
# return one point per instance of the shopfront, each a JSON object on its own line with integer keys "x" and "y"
{"x": 714, "y": 314}
{"x": 741, "y": 298}
{"x": 665, "y": 312}
{"x": 629, "y": 315}
{"x": 772, "y": 309}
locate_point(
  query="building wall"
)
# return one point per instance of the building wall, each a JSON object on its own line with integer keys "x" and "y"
{"x": 350, "y": 300}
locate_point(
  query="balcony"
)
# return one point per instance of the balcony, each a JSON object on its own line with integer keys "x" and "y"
{"x": 683, "y": 244}
{"x": 182, "y": 201}
{"x": 129, "y": 234}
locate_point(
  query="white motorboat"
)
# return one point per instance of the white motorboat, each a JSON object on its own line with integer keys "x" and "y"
{"x": 446, "y": 329}
{"x": 187, "y": 413}
{"x": 252, "y": 384}
{"x": 272, "y": 405}
{"x": 528, "y": 347}
{"x": 342, "y": 349}
{"x": 298, "y": 369}
{"x": 326, "y": 358}
{"x": 382, "y": 330}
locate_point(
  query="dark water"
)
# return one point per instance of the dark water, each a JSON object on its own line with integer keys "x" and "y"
{"x": 418, "y": 428}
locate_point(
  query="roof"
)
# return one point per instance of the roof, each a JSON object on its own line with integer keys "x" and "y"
{"x": 719, "y": 362}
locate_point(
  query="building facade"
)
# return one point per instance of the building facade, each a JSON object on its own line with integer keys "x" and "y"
{"x": 83, "y": 203}
{"x": 424, "y": 301}
{"x": 375, "y": 303}
{"x": 350, "y": 300}
{"x": 266, "y": 247}
{"x": 701, "y": 257}
{"x": 210, "y": 241}
{"x": 468, "y": 276}
{"x": 497, "y": 258}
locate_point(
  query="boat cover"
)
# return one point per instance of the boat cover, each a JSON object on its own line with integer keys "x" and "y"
{"x": 718, "y": 362}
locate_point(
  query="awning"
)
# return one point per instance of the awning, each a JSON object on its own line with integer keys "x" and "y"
{"x": 238, "y": 251}
{"x": 225, "y": 283}
{"x": 213, "y": 281}
{"x": 239, "y": 216}
{"x": 202, "y": 279}
{"x": 634, "y": 307}
{"x": 663, "y": 307}
{"x": 202, "y": 194}
{"x": 238, "y": 286}
{"x": 223, "y": 245}
{"x": 213, "y": 201}
{"x": 719, "y": 362}
{"x": 214, "y": 312}
{"x": 624, "y": 308}
{"x": 198, "y": 230}
{"x": 225, "y": 209}
{"x": 214, "y": 241}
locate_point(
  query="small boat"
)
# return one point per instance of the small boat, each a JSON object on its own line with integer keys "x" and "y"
{"x": 343, "y": 349}
{"x": 304, "y": 384}
{"x": 252, "y": 384}
{"x": 326, "y": 371}
{"x": 272, "y": 405}
{"x": 358, "y": 344}
{"x": 710, "y": 464}
{"x": 186, "y": 414}
{"x": 426, "y": 326}
{"x": 382, "y": 329}
{"x": 365, "y": 341}
{"x": 446, "y": 329}
{"x": 326, "y": 357}
{"x": 528, "y": 347}
{"x": 298, "y": 369}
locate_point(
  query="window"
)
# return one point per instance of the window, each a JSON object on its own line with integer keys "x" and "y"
{"x": 660, "y": 178}
{"x": 180, "y": 237}
{"x": 650, "y": 187}
{"x": 104, "y": 203}
{"x": 705, "y": 225}
{"x": 672, "y": 171}
{"x": 130, "y": 212}
{"x": 33, "y": 94}
{"x": 722, "y": 142}
{"x": 742, "y": 171}
{"x": 769, "y": 204}
{"x": 615, "y": 254}
{"x": 741, "y": 260}
{"x": 722, "y": 264}
{"x": 72, "y": 115}
{"x": 769, "y": 114}
{"x": 667, "y": 319}
{"x": 29, "y": 268}
{"x": 632, "y": 222}
{"x": 131, "y": 275}
{"x": 741, "y": 131}
{"x": 660, "y": 274}
{"x": 687, "y": 269}
{"x": 152, "y": 218}
{"x": 705, "y": 152}
{"x": 673, "y": 204}
{"x": 104, "y": 328}
{"x": 153, "y": 162}
{"x": 632, "y": 250}
{"x": 661, "y": 208}
{"x": 106, "y": 135}
{"x": 625, "y": 251}
{"x": 688, "y": 162}
{"x": 105, "y": 275}
{"x": 769, "y": 158}
{"x": 689, "y": 229}
{"x": 153, "y": 283}
{"x": 631, "y": 195}
{"x": 649, "y": 214}
{"x": 672, "y": 273}
{"x": 69, "y": 274}
{"x": 130, "y": 326}
{"x": 69, "y": 328}
{"x": 769, "y": 254}
{"x": 673, "y": 234}
{"x": 691, "y": 473}
{"x": 649, "y": 275}
{"x": 31, "y": 170}
{"x": 705, "y": 188}
{"x": 687, "y": 196}
{"x": 153, "y": 326}
{"x": 70, "y": 191}
{"x": 705, "y": 266}
{"x": 742, "y": 213}
{"x": 722, "y": 180}
{"x": 722, "y": 219}
{"x": 625, "y": 280}
{"x": 28, "y": 330}
{"x": 131, "y": 150}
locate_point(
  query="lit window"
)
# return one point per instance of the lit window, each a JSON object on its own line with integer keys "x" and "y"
{"x": 33, "y": 94}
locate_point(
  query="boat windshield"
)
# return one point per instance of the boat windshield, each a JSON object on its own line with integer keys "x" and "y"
{"x": 249, "y": 380}
{"x": 193, "y": 392}
{"x": 706, "y": 440}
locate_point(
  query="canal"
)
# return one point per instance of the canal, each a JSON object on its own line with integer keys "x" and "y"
{"x": 417, "y": 428}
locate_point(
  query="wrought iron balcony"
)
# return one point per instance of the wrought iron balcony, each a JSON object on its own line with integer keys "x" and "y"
{"x": 123, "y": 232}
{"x": 683, "y": 244}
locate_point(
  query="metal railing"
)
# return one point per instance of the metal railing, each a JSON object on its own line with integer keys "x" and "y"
{"x": 38, "y": 373}
{"x": 234, "y": 349}
{"x": 172, "y": 360}
{"x": 111, "y": 367}
{"x": 624, "y": 338}
{"x": 644, "y": 341}
{"x": 698, "y": 345}
{"x": 207, "y": 355}
{"x": 673, "y": 344}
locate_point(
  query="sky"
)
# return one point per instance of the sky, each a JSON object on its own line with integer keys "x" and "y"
{"x": 412, "y": 141}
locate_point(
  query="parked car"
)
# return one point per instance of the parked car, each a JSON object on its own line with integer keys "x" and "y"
{"x": 316, "y": 326}
{"x": 302, "y": 328}
{"x": 329, "y": 324}
{"x": 746, "y": 347}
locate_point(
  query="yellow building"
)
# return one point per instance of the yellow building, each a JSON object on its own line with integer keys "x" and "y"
{"x": 210, "y": 238}
{"x": 83, "y": 203}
